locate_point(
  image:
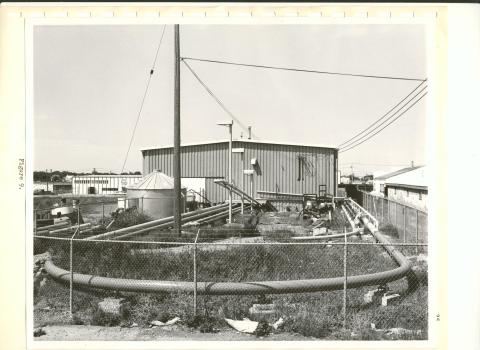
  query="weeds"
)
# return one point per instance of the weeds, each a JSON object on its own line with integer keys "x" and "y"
{"x": 389, "y": 230}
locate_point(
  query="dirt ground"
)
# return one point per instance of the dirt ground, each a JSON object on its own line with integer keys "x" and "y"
{"x": 99, "y": 333}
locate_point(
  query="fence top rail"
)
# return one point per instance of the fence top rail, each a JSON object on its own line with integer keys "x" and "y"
{"x": 394, "y": 201}
{"x": 231, "y": 243}
{"x": 80, "y": 204}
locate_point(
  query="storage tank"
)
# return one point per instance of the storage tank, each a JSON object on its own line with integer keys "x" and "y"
{"x": 154, "y": 195}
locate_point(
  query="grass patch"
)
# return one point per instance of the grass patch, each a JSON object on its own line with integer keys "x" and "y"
{"x": 389, "y": 230}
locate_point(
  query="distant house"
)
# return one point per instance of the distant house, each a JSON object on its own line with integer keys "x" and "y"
{"x": 379, "y": 181}
{"x": 409, "y": 187}
{"x": 345, "y": 179}
{"x": 102, "y": 184}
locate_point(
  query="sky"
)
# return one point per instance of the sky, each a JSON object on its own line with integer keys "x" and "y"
{"x": 89, "y": 82}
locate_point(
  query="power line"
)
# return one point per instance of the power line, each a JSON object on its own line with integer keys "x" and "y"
{"x": 220, "y": 103}
{"x": 385, "y": 121}
{"x": 383, "y": 116}
{"x": 300, "y": 69}
{"x": 144, "y": 96}
{"x": 405, "y": 111}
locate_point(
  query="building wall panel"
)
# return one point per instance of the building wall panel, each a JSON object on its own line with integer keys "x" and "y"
{"x": 277, "y": 171}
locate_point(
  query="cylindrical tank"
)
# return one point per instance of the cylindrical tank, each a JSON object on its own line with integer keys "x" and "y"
{"x": 154, "y": 195}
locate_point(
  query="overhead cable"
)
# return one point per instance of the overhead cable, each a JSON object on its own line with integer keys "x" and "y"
{"x": 301, "y": 70}
{"x": 401, "y": 114}
{"x": 352, "y": 139}
{"x": 219, "y": 102}
{"x": 152, "y": 70}
{"x": 385, "y": 121}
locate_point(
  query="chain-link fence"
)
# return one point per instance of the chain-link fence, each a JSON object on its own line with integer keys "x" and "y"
{"x": 408, "y": 223}
{"x": 220, "y": 273}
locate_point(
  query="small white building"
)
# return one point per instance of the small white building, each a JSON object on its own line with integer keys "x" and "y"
{"x": 380, "y": 180}
{"x": 409, "y": 187}
{"x": 102, "y": 184}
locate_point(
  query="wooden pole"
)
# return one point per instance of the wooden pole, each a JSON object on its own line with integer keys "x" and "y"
{"x": 176, "y": 136}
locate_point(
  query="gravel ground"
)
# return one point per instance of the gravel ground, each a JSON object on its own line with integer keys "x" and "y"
{"x": 182, "y": 333}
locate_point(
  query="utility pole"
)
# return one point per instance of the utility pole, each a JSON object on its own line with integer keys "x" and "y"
{"x": 176, "y": 136}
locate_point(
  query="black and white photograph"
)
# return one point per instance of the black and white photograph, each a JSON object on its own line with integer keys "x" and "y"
{"x": 230, "y": 182}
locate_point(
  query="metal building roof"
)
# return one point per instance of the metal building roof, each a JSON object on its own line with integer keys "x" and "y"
{"x": 397, "y": 172}
{"x": 417, "y": 178}
{"x": 156, "y": 180}
{"x": 238, "y": 140}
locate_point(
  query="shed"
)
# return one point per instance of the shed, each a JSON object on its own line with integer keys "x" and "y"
{"x": 272, "y": 167}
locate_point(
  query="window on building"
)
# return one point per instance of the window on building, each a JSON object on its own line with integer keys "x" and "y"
{"x": 408, "y": 192}
{"x": 420, "y": 195}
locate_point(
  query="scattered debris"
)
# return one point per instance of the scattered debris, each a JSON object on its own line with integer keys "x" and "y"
{"x": 168, "y": 323}
{"x": 38, "y": 332}
{"x": 375, "y": 295}
{"x": 396, "y": 331}
{"x": 403, "y": 331}
{"x": 389, "y": 296}
{"x": 244, "y": 326}
{"x": 279, "y": 324}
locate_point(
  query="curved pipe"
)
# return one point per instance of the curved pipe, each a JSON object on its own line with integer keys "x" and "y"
{"x": 241, "y": 288}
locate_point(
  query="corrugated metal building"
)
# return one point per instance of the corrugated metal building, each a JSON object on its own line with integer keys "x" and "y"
{"x": 102, "y": 184}
{"x": 278, "y": 167}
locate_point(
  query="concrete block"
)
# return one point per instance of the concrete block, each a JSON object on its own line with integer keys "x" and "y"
{"x": 389, "y": 297}
{"x": 111, "y": 306}
{"x": 319, "y": 231}
{"x": 259, "y": 312}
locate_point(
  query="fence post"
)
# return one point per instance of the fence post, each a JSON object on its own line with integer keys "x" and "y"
{"x": 416, "y": 231}
{"x": 405, "y": 209}
{"x": 388, "y": 211}
{"x": 195, "y": 274}
{"x": 395, "y": 206}
{"x": 345, "y": 280}
{"x": 103, "y": 212}
{"x": 142, "y": 204}
{"x": 35, "y": 222}
{"x": 383, "y": 212}
{"x": 71, "y": 261}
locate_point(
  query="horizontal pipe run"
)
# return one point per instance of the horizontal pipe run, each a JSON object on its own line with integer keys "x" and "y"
{"x": 168, "y": 224}
{"x": 154, "y": 222}
{"x": 327, "y": 237}
{"x": 71, "y": 228}
{"x": 57, "y": 225}
{"x": 220, "y": 215}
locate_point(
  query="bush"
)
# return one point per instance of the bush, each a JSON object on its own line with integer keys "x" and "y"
{"x": 128, "y": 218}
{"x": 205, "y": 324}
